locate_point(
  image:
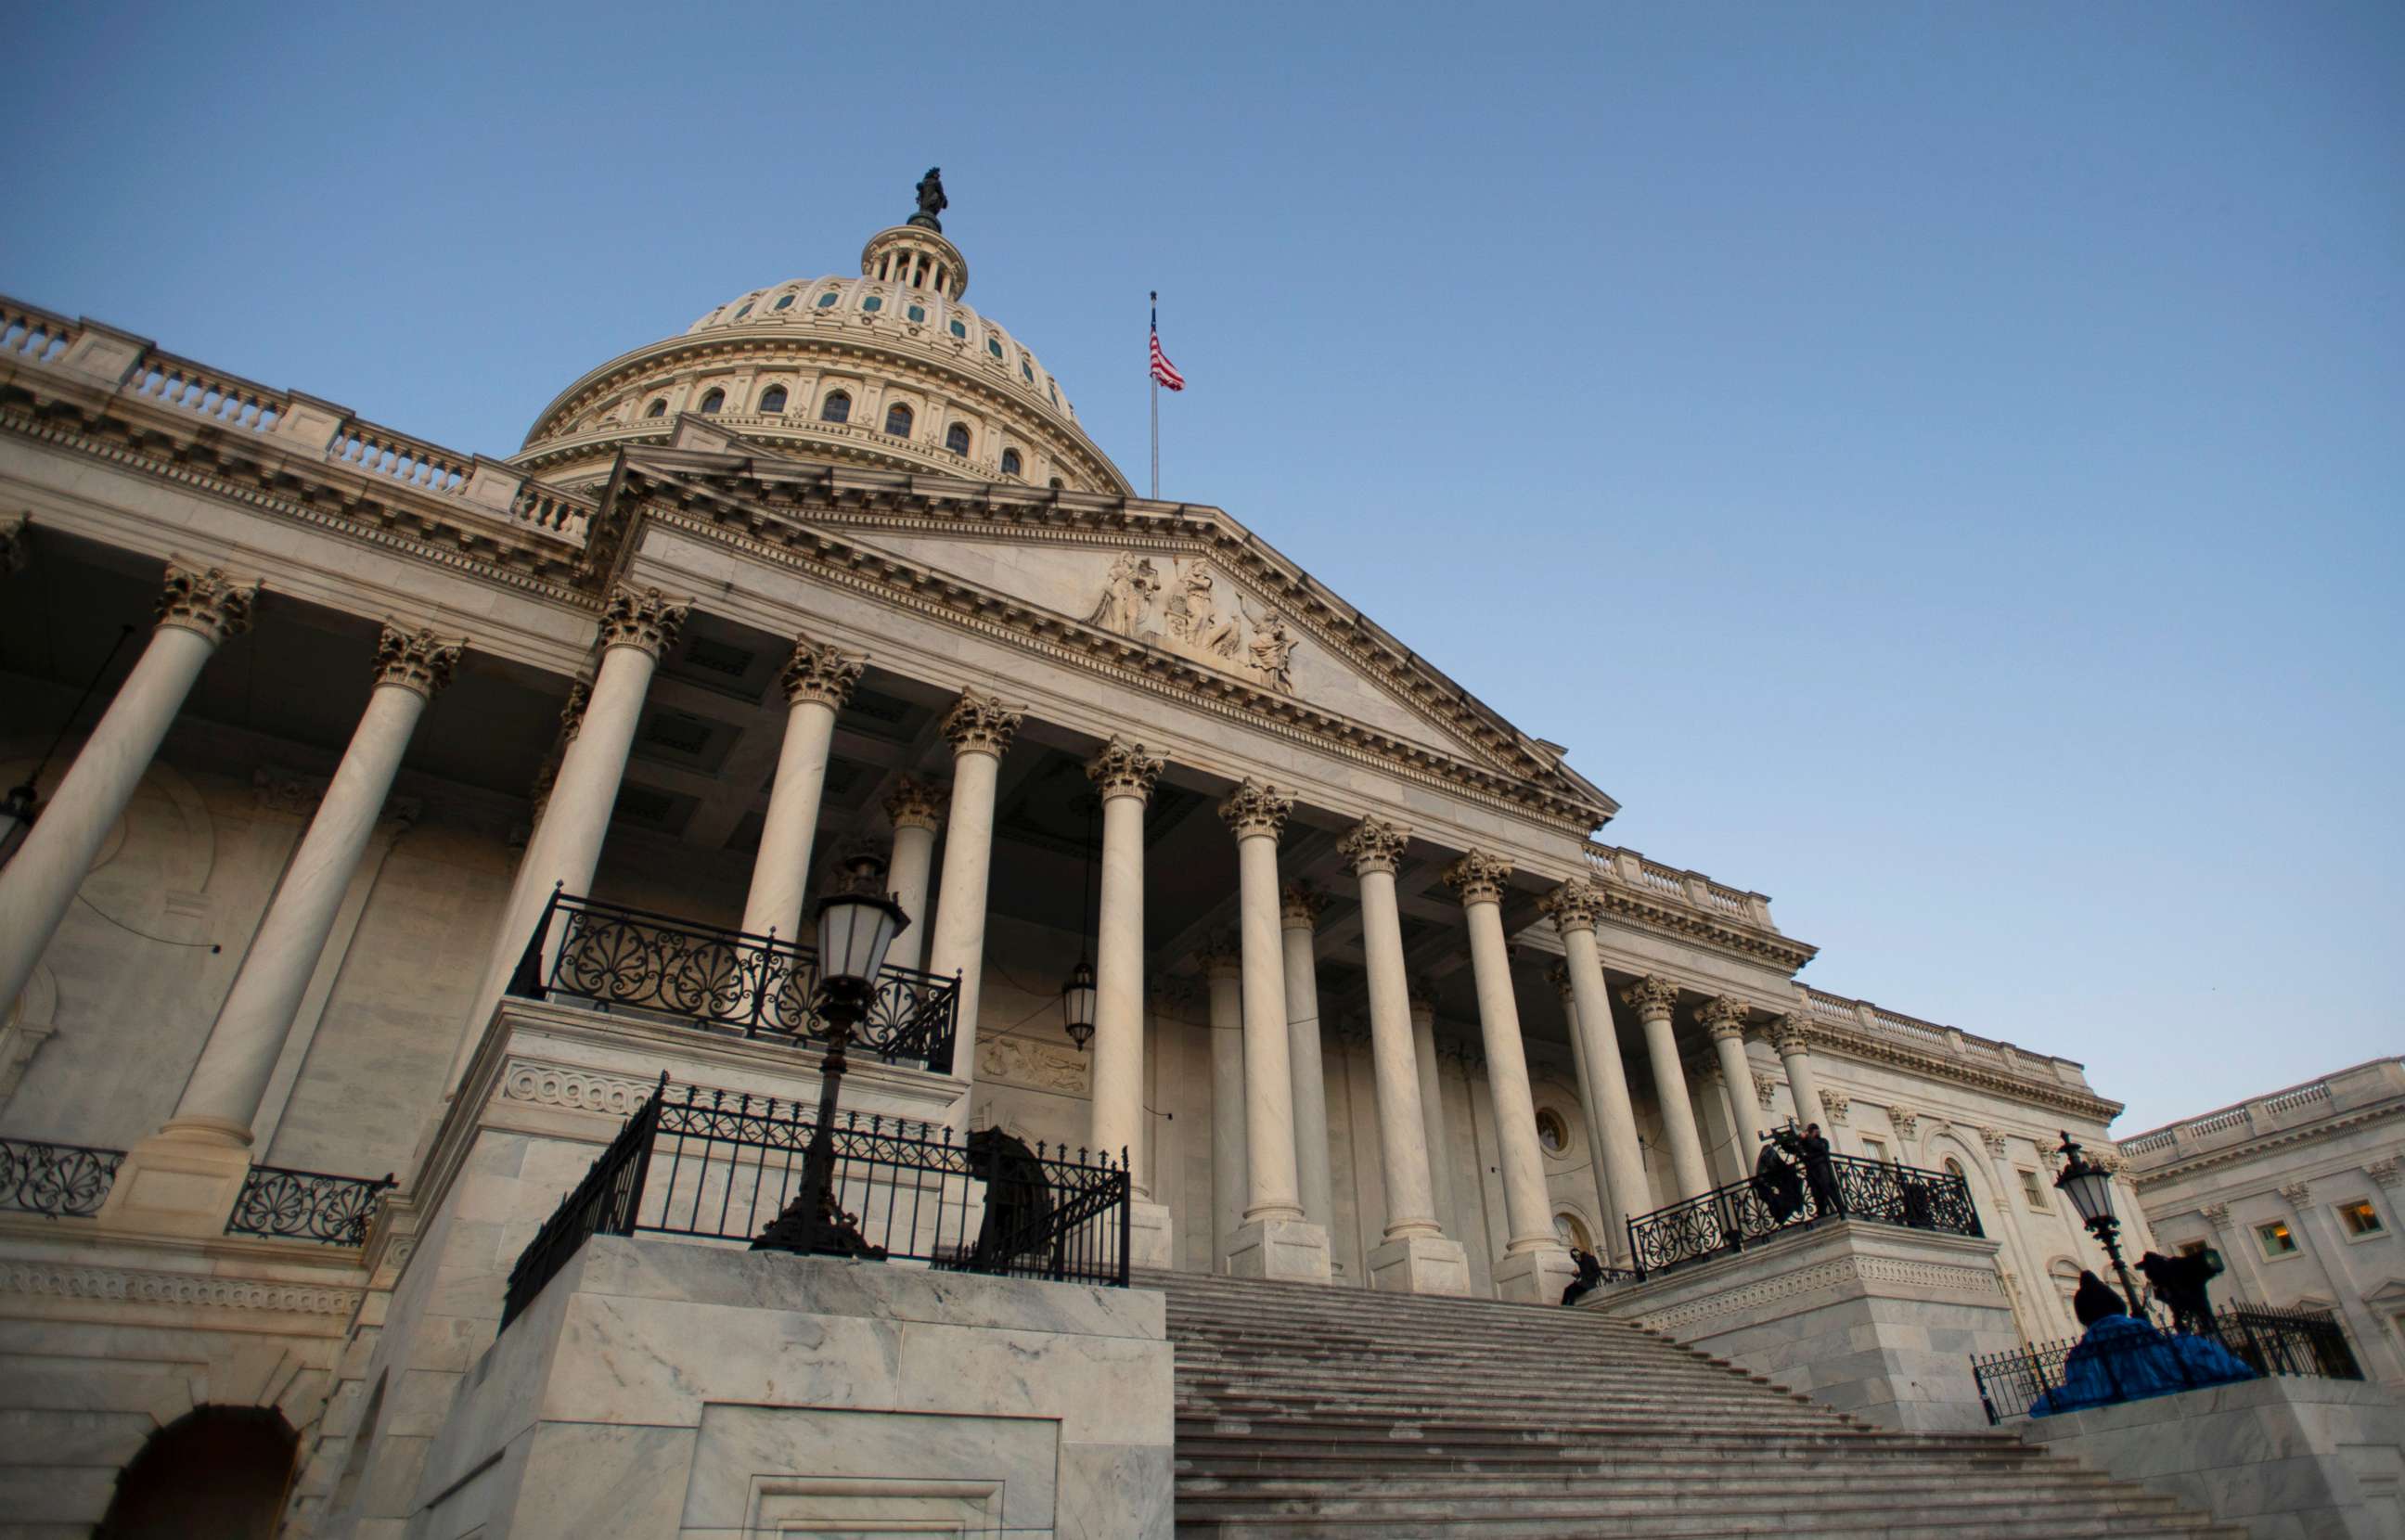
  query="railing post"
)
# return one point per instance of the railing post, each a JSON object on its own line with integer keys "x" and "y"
{"x": 648, "y": 1118}
{"x": 526, "y": 983}
{"x": 760, "y": 983}
{"x": 1127, "y": 1214}
{"x": 1636, "y": 1258}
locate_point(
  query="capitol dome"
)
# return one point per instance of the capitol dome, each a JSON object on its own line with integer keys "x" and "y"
{"x": 886, "y": 368}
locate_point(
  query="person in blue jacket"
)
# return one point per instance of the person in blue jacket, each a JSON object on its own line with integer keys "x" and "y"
{"x": 2121, "y": 1359}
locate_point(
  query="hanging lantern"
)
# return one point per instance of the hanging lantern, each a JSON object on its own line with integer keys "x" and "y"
{"x": 1077, "y": 1004}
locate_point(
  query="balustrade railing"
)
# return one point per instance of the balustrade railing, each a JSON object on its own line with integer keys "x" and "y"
{"x": 619, "y": 958}
{"x": 716, "y": 1166}
{"x": 2291, "y": 1343}
{"x": 307, "y": 1205}
{"x": 32, "y": 336}
{"x": 59, "y": 1181}
{"x": 1729, "y": 1219}
{"x": 179, "y": 383}
{"x": 408, "y": 460}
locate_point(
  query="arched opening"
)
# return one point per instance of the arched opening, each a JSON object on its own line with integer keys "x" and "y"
{"x": 1010, "y": 462}
{"x": 216, "y": 1473}
{"x": 1552, "y": 1132}
{"x": 772, "y": 401}
{"x": 897, "y": 421}
{"x": 1571, "y": 1233}
{"x": 838, "y": 408}
{"x": 713, "y": 401}
{"x": 956, "y": 439}
{"x": 657, "y": 409}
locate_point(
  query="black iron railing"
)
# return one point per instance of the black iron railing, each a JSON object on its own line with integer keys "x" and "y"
{"x": 307, "y": 1205}
{"x": 2270, "y": 1341}
{"x": 1730, "y": 1218}
{"x": 62, "y": 1181}
{"x": 720, "y": 1167}
{"x": 759, "y": 986}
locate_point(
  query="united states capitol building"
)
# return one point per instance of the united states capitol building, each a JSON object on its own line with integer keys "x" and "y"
{"x": 455, "y": 821}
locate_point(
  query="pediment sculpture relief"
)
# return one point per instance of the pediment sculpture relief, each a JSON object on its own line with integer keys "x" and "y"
{"x": 1180, "y": 607}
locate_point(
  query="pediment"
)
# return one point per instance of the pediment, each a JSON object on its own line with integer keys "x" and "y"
{"x": 1185, "y": 585}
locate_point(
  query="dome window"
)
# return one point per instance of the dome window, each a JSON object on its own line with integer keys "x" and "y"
{"x": 772, "y": 401}
{"x": 713, "y": 401}
{"x": 838, "y": 408}
{"x": 960, "y": 327}
{"x": 785, "y": 301}
{"x": 659, "y": 407}
{"x": 897, "y": 421}
{"x": 1055, "y": 389}
{"x": 872, "y": 304}
{"x": 917, "y": 312}
{"x": 826, "y": 302}
{"x": 1027, "y": 368}
{"x": 956, "y": 438}
{"x": 1059, "y": 485}
{"x": 1010, "y": 462}
{"x": 745, "y": 311}
{"x": 993, "y": 345}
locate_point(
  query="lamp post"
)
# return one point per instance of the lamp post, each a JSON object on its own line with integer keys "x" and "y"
{"x": 1077, "y": 996}
{"x": 2090, "y": 1191}
{"x": 854, "y": 930}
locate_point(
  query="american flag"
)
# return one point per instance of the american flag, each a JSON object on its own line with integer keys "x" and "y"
{"x": 1163, "y": 372}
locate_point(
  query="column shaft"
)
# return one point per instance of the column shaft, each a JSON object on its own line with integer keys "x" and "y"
{"x": 1655, "y": 998}
{"x": 1403, "y": 1120}
{"x": 980, "y": 729}
{"x": 1268, "y": 1077}
{"x": 1590, "y": 1108}
{"x": 222, "y": 1095}
{"x": 200, "y": 609}
{"x": 914, "y": 810}
{"x": 1305, "y": 1061}
{"x": 1119, "y": 990}
{"x": 1431, "y": 1087}
{"x": 1736, "y": 1074}
{"x": 1527, "y": 1211}
{"x": 1623, "y": 1162}
{"x": 1224, "y": 974}
{"x": 1801, "y": 1084}
{"x": 780, "y": 871}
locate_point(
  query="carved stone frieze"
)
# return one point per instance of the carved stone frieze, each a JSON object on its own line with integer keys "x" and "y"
{"x": 139, "y": 1286}
{"x": 414, "y": 660}
{"x": 979, "y": 723}
{"x": 1374, "y": 844}
{"x": 1834, "y": 1107}
{"x": 1575, "y": 906}
{"x": 1182, "y": 610}
{"x": 1652, "y": 997}
{"x": 206, "y": 601}
{"x": 915, "y": 804}
{"x": 1903, "y": 1120}
{"x": 1694, "y": 1317}
{"x": 583, "y": 1090}
{"x": 1478, "y": 878}
{"x": 1026, "y": 1061}
{"x": 1993, "y": 1139}
{"x": 641, "y": 617}
{"x": 1123, "y": 769}
{"x": 1256, "y": 809}
{"x": 819, "y": 674}
{"x": 1764, "y": 1087}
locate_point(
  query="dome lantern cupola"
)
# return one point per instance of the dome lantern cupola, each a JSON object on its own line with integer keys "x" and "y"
{"x": 914, "y": 256}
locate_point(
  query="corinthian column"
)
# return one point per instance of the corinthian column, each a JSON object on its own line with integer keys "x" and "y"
{"x": 1590, "y": 1103}
{"x": 1788, "y": 1040}
{"x": 222, "y": 1095}
{"x": 1575, "y": 906}
{"x": 980, "y": 729}
{"x": 638, "y": 624}
{"x": 1724, "y": 1018}
{"x": 1535, "y": 1264}
{"x": 916, "y": 810}
{"x": 1423, "y": 999}
{"x": 197, "y": 612}
{"x": 1276, "y": 1241}
{"x": 817, "y": 679}
{"x": 1223, "y": 970}
{"x": 1123, "y": 776}
{"x": 1654, "y": 997}
{"x": 1298, "y": 912}
{"x": 1415, "y": 1256}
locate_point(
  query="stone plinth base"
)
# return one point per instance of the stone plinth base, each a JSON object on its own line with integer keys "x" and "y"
{"x": 1420, "y": 1263}
{"x": 657, "y": 1390}
{"x": 1149, "y": 1236}
{"x": 2285, "y": 1459}
{"x": 178, "y": 1183}
{"x": 1280, "y": 1248}
{"x": 1870, "y": 1319}
{"x": 1534, "y": 1278}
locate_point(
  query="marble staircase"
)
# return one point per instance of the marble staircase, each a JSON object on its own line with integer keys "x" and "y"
{"x": 1309, "y": 1410}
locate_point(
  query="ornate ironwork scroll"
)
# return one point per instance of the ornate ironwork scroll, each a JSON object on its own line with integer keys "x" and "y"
{"x": 62, "y": 1181}
{"x": 1730, "y": 1218}
{"x": 307, "y": 1205}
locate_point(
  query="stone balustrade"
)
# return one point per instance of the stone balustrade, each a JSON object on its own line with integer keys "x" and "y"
{"x": 1632, "y": 869}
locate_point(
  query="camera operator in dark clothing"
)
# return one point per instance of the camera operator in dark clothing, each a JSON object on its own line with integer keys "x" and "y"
{"x": 1820, "y": 1174}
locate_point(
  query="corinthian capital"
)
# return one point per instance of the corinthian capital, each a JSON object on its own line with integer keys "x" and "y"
{"x": 641, "y": 617}
{"x": 915, "y": 805}
{"x": 980, "y": 724}
{"x": 1478, "y": 878}
{"x": 1787, "y": 1034}
{"x": 1558, "y": 975}
{"x": 819, "y": 674}
{"x": 1575, "y": 906}
{"x": 1222, "y": 957}
{"x": 1299, "y": 906}
{"x": 1652, "y": 997}
{"x": 1256, "y": 808}
{"x": 1123, "y": 769}
{"x": 1374, "y": 844}
{"x": 205, "y": 601}
{"x": 1724, "y": 1015}
{"x": 571, "y": 712}
{"x": 414, "y": 660}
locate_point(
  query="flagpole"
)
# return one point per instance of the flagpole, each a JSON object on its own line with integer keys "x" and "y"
{"x": 1155, "y": 401}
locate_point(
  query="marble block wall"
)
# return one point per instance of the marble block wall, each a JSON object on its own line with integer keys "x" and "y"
{"x": 660, "y": 1390}
{"x": 1871, "y": 1319}
{"x": 2285, "y": 1459}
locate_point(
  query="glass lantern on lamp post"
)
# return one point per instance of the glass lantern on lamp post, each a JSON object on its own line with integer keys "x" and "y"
{"x": 855, "y": 930}
{"x": 2090, "y": 1191}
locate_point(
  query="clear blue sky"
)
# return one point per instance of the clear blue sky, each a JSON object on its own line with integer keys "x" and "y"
{"x": 1940, "y": 466}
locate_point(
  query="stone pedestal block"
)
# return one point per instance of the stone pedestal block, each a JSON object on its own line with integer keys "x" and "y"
{"x": 1420, "y": 1263}
{"x": 1149, "y": 1236}
{"x": 1535, "y": 1277}
{"x": 183, "y": 1182}
{"x": 1280, "y": 1248}
{"x": 1870, "y": 1319}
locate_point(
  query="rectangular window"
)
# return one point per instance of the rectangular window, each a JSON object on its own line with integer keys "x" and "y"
{"x": 2033, "y": 1189}
{"x": 2275, "y": 1239}
{"x": 1874, "y": 1149}
{"x": 2359, "y": 1218}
